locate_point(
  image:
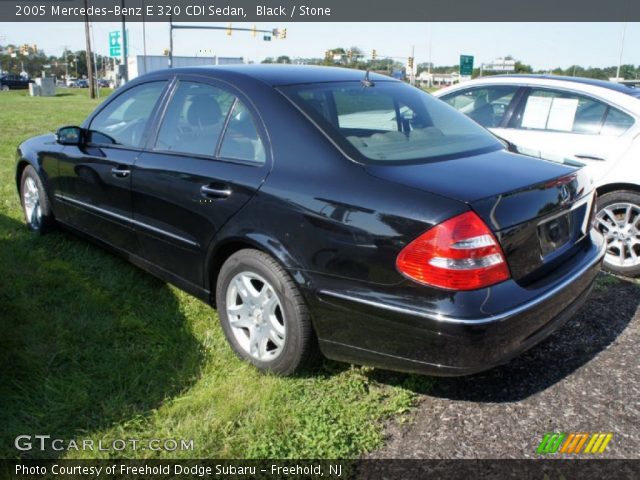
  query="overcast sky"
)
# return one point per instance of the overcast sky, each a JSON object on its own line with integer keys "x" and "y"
{"x": 543, "y": 45}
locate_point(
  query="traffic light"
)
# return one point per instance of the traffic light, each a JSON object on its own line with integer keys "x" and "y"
{"x": 410, "y": 62}
{"x": 165, "y": 52}
{"x": 229, "y": 30}
{"x": 275, "y": 32}
{"x": 374, "y": 54}
{"x": 283, "y": 33}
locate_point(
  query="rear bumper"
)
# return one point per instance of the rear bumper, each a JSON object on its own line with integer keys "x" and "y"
{"x": 391, "y": 329}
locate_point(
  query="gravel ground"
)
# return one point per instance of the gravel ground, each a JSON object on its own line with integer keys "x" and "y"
{"x": 584, "y": 378}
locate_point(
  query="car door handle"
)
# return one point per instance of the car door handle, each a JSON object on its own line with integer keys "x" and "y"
{"x": 211, "y": 192}
{"x": 120, "y": 171}
{"x": 586, "y": 156}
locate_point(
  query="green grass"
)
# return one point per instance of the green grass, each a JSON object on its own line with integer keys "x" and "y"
{"x": 93, "y": 348}
{"x": 604, "y": 281}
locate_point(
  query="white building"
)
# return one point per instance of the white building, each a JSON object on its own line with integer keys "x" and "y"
{"x": 439, "y": 79}
{"x": 140, "y": 64}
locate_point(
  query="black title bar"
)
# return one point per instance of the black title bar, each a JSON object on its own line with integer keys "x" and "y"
{"x": 319, "y": 10}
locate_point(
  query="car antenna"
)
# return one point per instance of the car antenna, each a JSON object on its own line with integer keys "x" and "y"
{"x": 366, "y": 82}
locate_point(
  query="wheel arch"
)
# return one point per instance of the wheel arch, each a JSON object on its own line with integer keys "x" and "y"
{"x": 22, "y": 163}
{"x": 222, "y": 250}
{"x": 20, "y": 166}
{"x": 613, "y": 187}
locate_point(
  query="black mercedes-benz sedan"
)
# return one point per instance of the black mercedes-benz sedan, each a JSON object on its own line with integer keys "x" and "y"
{"x": 325, "y": 208}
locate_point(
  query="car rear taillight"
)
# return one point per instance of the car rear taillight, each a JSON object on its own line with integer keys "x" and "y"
{"x": 458, "y": 254}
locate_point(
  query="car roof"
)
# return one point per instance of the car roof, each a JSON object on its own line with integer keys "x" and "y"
{"x": 618, "y": 87}
{"x": 283, "y": 74}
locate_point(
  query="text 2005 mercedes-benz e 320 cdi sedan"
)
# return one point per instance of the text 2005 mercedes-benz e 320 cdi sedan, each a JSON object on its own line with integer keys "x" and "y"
{"x": 325, "y": 207}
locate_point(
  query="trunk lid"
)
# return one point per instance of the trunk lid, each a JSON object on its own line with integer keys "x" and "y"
{"x": 539, "y": 210}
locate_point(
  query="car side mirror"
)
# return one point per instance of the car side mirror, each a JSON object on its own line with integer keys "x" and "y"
{"x": 70, "y": 135}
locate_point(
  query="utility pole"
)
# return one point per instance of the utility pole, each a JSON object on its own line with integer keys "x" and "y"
{"x": 66, "y": 63}
{"x": 95, "y": 65}
{"x": 412, "y": 77}
{"x": 125, "y": 54}
{"x": 92, "y": 86}
{"x": 144, "y": 38}
{"x": 624, "y": 29}
{"x": 170, "y": 41}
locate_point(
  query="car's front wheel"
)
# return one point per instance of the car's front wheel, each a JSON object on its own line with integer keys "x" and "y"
{"x": 263, "y": 314}
{"x": 618, "y": 218}
{"x": 35, "y": 204}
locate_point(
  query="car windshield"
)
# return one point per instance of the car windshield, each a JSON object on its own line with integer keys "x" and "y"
{"x": 390, "y": 121}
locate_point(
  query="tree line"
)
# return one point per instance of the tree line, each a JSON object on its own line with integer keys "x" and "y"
{"x": 355, "y": 57}
{"x": 13, "y": 58}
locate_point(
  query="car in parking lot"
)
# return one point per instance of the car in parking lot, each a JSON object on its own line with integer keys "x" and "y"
{"x": 275, "y": 194}
{"x": 592, "y": 121}
{"x": 14, "y": 82}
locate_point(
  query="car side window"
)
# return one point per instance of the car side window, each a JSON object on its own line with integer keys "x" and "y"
{"x": 616, "y": 123}
{"x": 123, "y": 121}
{"x": 241, "y": 139}
{"x": 194, "y": 119}
{"x": 562, "y": 112}
{"x": 486, "y": 105}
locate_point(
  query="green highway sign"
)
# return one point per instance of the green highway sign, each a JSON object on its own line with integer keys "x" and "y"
{"x": 466, "y": 65}
{"x": 115, "y": 48}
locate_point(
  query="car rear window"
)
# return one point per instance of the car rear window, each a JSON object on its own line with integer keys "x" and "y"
{"x": 390, "y": 121}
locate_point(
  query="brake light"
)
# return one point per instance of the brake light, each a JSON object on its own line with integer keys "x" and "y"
{"x": 458, "y": 254}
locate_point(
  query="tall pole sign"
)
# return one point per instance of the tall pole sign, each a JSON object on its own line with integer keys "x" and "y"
{"x": 115, "y": 47}
{"x": 466, "y": 65}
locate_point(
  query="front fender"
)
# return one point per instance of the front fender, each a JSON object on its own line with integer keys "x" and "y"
{"x": 42, "y": 153}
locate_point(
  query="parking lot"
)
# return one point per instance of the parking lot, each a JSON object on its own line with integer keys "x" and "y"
{"x": 584, "y": 378}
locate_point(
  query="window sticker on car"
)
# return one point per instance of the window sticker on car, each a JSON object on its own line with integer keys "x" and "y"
{"x": 562, "y": 114}
{"x": 536, "y": 112}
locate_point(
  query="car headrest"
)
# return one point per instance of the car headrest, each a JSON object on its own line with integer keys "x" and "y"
{"x": 204, "y": 110}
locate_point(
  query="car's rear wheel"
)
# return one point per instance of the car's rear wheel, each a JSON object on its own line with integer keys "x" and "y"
{"x": 35, "y": 204}
{"x": 618, "y": 219}
{"x": 263, "y": 315}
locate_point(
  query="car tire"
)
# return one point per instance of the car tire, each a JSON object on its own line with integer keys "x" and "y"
{"x": 618, "y": 219}
{"x": 272, "y": 331}
{"x": 35, "y": 202}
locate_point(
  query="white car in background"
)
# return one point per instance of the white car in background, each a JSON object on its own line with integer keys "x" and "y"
{"x": 592, "y": 121}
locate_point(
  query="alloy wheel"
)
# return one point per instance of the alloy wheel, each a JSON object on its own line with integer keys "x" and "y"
{"x": 256, "y": 316}
{"x": 31, "y": 202}
{"x": 620, "y": 225}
